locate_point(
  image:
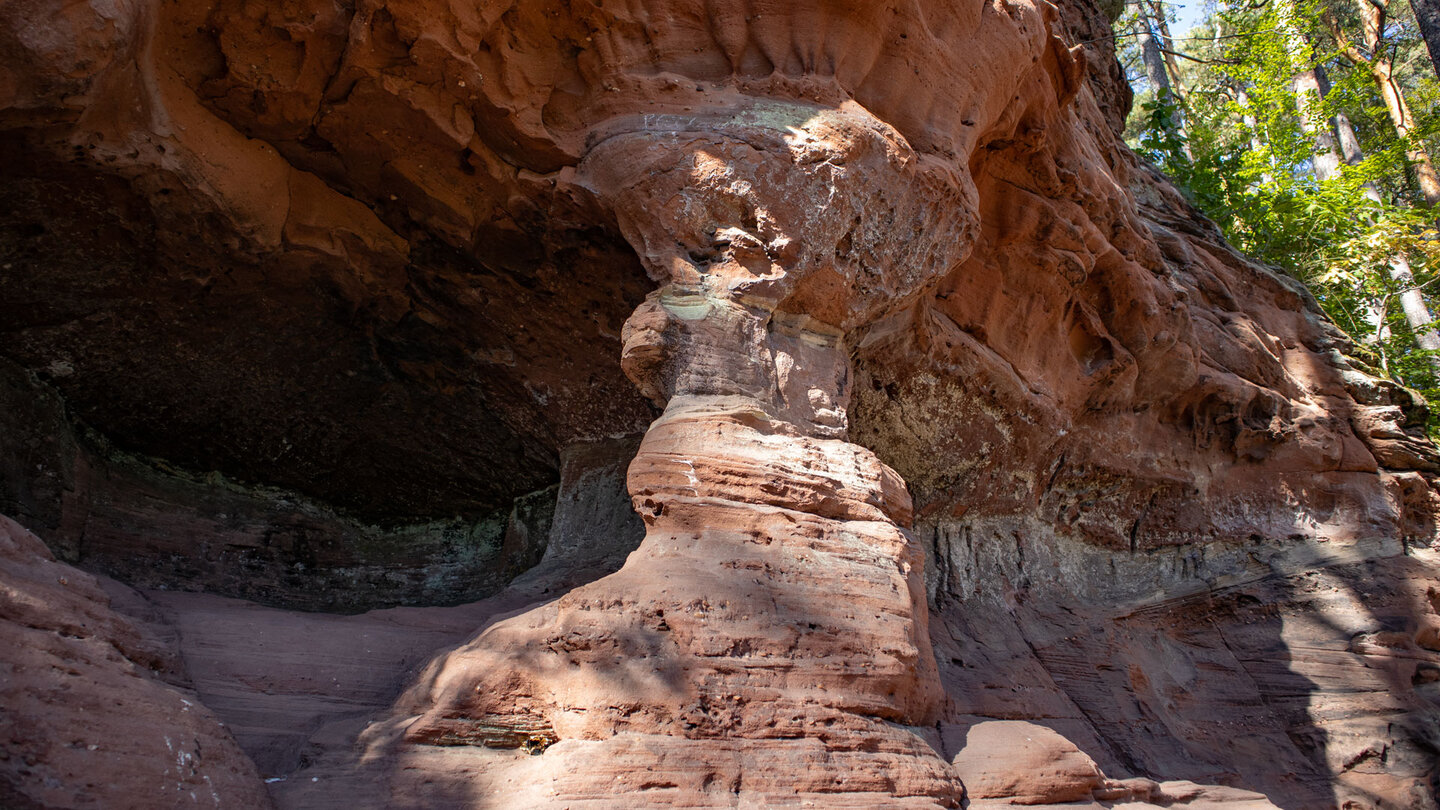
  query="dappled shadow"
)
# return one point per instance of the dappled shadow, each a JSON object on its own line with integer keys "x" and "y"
{"x": 729, "y": 661}
{"x": 1304, "y": 684}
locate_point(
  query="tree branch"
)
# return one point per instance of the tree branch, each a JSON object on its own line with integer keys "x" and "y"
{"x": 1198, "y": 59}
{"x": 1372, "y": 20}
{"x": 1346, "y": 46}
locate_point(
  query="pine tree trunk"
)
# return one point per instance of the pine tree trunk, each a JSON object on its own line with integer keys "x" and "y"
{"x": 1150, "y": 54}
{"x": 1427, "y": 14}
{"x": 1309, "y": 92}
{"x": 1381, "y": 67}
{"x": 1404, "y": 121}
{"x": 1157, "y": 74}
{"x": 1157, "y": 15}
{"x": 1411, "y": 301}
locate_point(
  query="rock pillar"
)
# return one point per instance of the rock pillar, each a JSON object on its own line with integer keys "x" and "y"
{"x": 770, "y": 632}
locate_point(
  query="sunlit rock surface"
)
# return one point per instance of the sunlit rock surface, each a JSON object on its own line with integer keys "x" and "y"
{"x": 855, "y": 421}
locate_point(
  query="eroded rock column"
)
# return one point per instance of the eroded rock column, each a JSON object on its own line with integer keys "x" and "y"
{"x": 769, "y": 636}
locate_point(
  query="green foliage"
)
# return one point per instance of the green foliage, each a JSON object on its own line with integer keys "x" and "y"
{"x": 1242, "y": 145}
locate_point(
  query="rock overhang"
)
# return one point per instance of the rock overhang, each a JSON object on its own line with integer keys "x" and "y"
{"x": 1076, "y": 399}
{"x": 449, "y": 203}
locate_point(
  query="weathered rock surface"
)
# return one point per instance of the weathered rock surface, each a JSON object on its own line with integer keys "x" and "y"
{"x": 154, "y": 526}
{"x": 1272, "y": 682}
{"x": 292, "y": 688}
{"x": 90, "y": 716}
{"x": 1021, "y": 762}
{"x": 980, "y": 460}
{"x": 295, "y": 688}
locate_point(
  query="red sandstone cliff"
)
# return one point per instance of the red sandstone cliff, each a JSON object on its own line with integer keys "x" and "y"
{"x": 974, "y": 463}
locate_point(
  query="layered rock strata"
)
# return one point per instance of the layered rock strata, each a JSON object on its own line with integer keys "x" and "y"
{"x": 92, "y": 716}
{"x": 721, "y": 633}
{"x": 965, "y": 416}
{"x": 144, "y": 521}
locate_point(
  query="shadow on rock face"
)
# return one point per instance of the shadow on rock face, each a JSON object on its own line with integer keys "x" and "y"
{"x": 1299, "y": 674}
{"x": 408, "y": 268}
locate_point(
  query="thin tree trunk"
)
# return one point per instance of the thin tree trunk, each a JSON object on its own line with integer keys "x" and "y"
{"x": 1404, "y": 121}
{"x": 1412, "y": 301}
{"x": 1310, "y": 89}
{"x": 1308, "y": 96}
{"x": 1417, "y": 315}
{"x": 1252, "y": 126}
{"x": 1310, "y": 80}
{"x": 1242, "y": 97}
{"x": 1157, "y": 74}
{"x": 1427, "y": 14}
{"x": 1349, "y": 143}
{"x": 1382, "y": 70}
{"x": 1157, "y": 14}
{"x": 1309, "y": 92}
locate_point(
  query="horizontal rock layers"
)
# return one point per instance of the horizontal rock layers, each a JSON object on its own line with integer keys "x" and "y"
{"x": 721, "y": 627}
{"x": 90, "y": 716}
{"x": 972, "y": 457}
{"x": 144, "y": 521}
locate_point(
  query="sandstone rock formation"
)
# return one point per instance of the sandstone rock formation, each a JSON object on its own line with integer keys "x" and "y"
{"x": 91, "y": 714}
{"x": 972, "y": 458}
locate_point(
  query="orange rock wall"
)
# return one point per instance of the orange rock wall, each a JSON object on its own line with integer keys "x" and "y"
{"x": 972, "y": 458}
